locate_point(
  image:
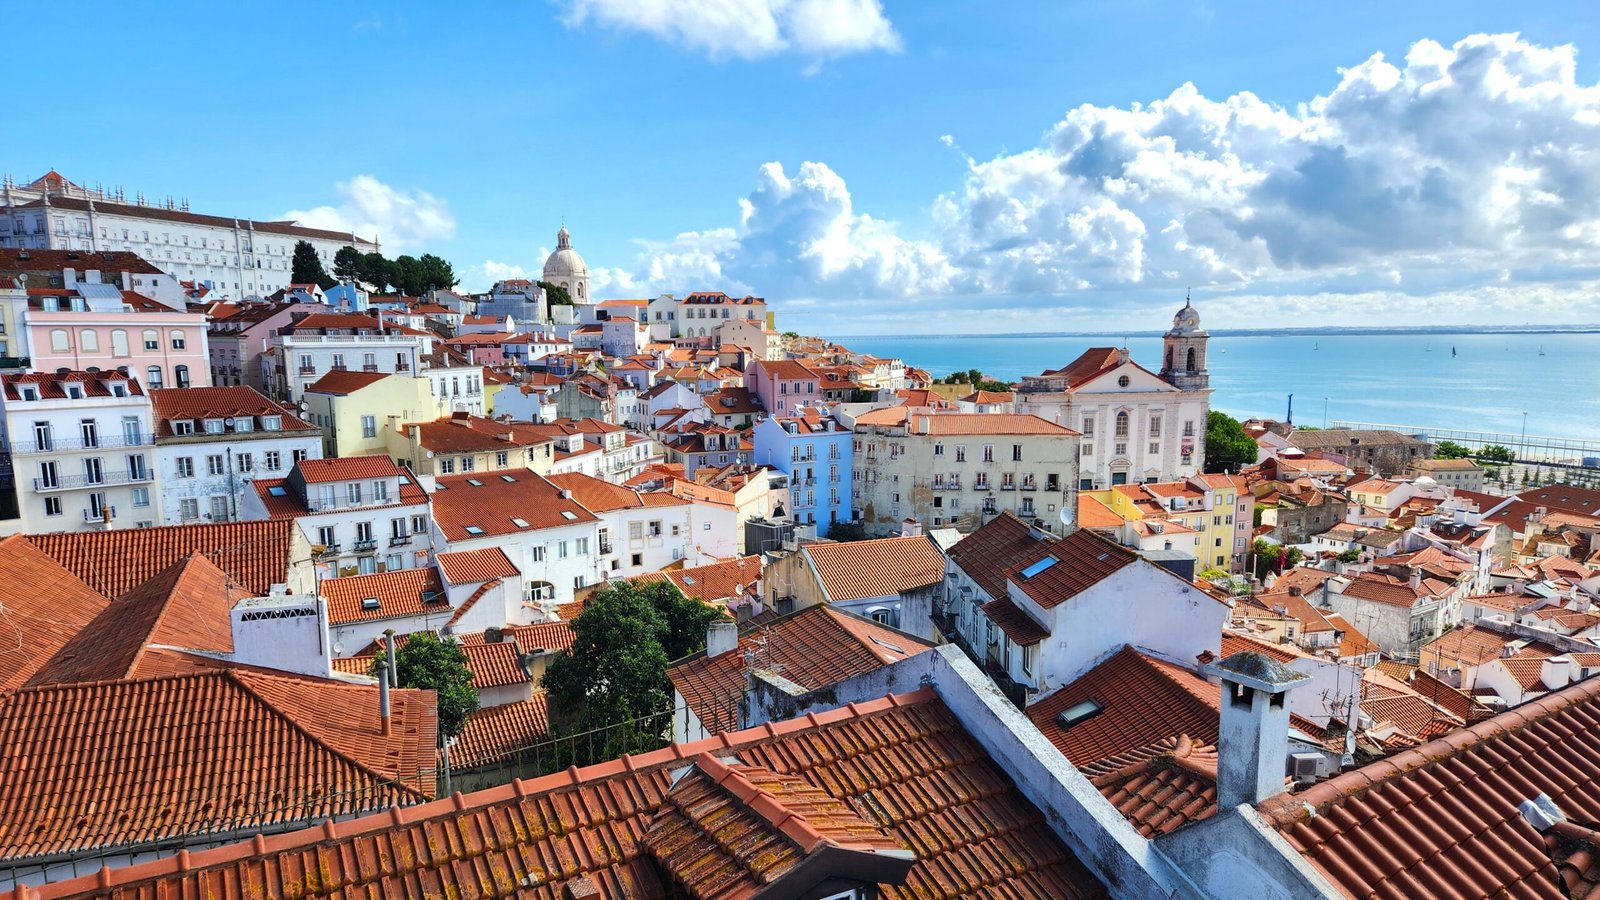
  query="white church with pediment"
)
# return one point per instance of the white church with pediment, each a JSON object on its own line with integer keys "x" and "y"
{"x": 1137, "y": 425}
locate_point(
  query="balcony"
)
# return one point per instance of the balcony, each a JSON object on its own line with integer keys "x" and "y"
{"x": 402, "y": 367}
{"x": 100, "y": 516}
{"x": 399, "y": 540}
{"x": 70, "y": 482}
{"x": 308, "y": 370}
{"x": 62, "y": 444}
{"x": 369, "y": 367}
{"x": 362, "y": 545}
{"x": 1029, "y": 487}
{"x": 329, "y": 550}
{"x": 1008, "y": 487}
{"x": 605, "y": 548}
{"x": 15, "y": 362}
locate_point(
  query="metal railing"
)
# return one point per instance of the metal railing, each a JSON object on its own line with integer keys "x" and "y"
{"x": 361, "y": 544}
{"x": 101, "y": 442}
{"x": 68, "y": 482}
{"x": 103, "y": 514}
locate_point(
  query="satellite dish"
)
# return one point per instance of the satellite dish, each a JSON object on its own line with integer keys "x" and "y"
{"x": 338, "y": 648}
{"x": 1066, "y": 515}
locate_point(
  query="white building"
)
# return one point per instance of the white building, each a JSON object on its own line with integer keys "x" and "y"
{"x": 362, "y": 514}
{"x": 1137, "y": 425}
{"x": 236, "y": 257}
{"x": 81, "y": 451}
{"x": 326, "y": 342}
{"x": 960, "y": 469}
{"x": 639, "y": 532}
{"x": 212, "y": 442}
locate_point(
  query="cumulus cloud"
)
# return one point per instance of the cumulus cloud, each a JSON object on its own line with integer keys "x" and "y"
{"x": 1454, "y": 169}
{"x": 482, "y": 276}
{"x": 747, "y": 29}
{"x": 402, "y": 220}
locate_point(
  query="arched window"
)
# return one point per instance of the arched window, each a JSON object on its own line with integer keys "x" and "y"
{"x": 152, "y": 377}
{"x": 1122, "y": 424}
{"x": 1169, "y": 359}
{"x": 152, "y": 339}
{"x": 178, "y": 341}
{"x": 182, "y": 374}
{"x": 60, "y": 341}
{"x": 89, "y": 340}
{"x": 119, "y": 342}
{"x": 1191, "y": 365}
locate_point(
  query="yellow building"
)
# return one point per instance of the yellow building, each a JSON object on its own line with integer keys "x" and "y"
{"x": 356, "y": 410}
{"x": 1216, "y": 507}
{"x": 463, "y": 444}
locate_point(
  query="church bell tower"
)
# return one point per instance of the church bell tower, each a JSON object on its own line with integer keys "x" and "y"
{"x": 1184, "y": 352}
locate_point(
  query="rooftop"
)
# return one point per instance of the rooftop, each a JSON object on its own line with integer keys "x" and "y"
{"x": 857, "y": 570}
{"x": 255, "y": 554}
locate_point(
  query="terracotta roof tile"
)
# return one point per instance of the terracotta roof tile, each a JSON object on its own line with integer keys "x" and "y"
{"x": 255, "y": 554}
{"x": 1162, "y": 792}
{"x": 188, "y": 605}
{"x": 927, "y": 780}
{"x": 1446, "y": 813}
{"x": 217, "y": 403}
{"x": 405, "y": 592}
{"x": 813, "y": 648}
{"x": 717, "y": 581}
{"x": 854, "y": 570}
{"x": 476, "y": 566}
{"x": 1083, "y": 560}
{"x": 53, "y": 385}
{"x": 1143, "y": 701}
{"x": 497, "y": 501}
{"x": 347, "y": 468}
{"x": 44, "y": 605}
{"x": 1017, "y": 624}
{"x": 1001, "y": 546}
{"x": 1469, "y": 645}
{"x": 343, "y": 382}
{"x": 104, "y": 764}
{"x": 494, "y": 734}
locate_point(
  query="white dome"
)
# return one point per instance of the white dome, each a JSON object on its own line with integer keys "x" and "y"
{"x": 565, "y": 263}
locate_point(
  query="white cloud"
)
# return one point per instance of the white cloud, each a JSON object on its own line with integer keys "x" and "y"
{"x": 482, "y": 276}
{"x": 747, "y": 29}
{"x": 1431, "y": 178}
{"x": 401, "y": 220}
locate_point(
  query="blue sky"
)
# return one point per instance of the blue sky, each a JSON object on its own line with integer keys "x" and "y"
{"x": 895, "y": 167}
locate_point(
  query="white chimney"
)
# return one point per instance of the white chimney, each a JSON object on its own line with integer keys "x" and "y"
{"x": 1253, "y": 742}
{"x": 722, "y": 637}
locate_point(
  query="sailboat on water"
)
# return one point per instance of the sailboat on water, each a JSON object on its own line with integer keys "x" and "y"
{"x": 1429, "y": 348}
{"x": 1541, "y": 349}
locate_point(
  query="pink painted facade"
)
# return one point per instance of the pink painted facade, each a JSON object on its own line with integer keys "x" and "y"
{"x": 160, "y": 349}
{"x": 784, "y": 385}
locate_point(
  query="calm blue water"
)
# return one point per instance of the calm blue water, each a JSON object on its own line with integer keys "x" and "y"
{"x": 1387, "y": 378}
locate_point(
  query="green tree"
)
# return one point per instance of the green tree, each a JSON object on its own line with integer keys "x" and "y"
{"x": 1350, "y": 555}
{"x": 306, "y": 268}
{"x": 1497, "y": 454}
{"x": 347, "y": 264}
{"x": 438, "y": 664}
{"x": 375, "y": 270}
{"x": 1451, "y": 450}
{"x": 1228, "y": 448}
{"x": 434, "y": 273}
{"x": 555, "y": 294}
{"x": 405, "y": 274}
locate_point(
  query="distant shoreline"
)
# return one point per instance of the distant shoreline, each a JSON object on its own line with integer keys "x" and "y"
{"x": 1322, "y": 331}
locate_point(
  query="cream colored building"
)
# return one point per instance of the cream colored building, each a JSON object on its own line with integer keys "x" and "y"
{"x": 1137, "y": 425}
{"x": 954, "y": 469}
{"x": 357, "y": 410}
{"x": 463, "y": 445}
{"x": 1215, "y": 509}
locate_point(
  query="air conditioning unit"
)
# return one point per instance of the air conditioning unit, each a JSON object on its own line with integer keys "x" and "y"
{"x": 1306, "y": 768}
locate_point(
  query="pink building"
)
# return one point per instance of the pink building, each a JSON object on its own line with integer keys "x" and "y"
{"x": 105, "y": 329}
{"x": 784, "y": 385}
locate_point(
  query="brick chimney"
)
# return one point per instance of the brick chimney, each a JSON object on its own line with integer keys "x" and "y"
{"x": 1253, "y": 742}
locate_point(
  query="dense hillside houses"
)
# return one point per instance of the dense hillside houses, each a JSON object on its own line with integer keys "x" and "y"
{"x": 926, "y": 639}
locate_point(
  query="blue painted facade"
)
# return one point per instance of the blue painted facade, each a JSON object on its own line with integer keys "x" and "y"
{"x": 818, "y": 465}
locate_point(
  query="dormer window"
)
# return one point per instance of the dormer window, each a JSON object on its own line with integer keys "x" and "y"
{"x": 214, "y": 426}
{"x": 271, "y": 423}
{"x": 183, "y": 426}
{"x": 119, "y": 389}
{"x": 74, "y": 391}
{"x": 244, "y": 423}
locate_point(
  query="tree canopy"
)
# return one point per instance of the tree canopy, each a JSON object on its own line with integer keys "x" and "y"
{"x": 1228, "y": 448}
{"x": 347, "y": 263}
{"x": 975, "y": 378}
{"x": 438, "y": 664}
{"x": 409, "y": 275}
{"x": 306, "y": 267}
{"x": 555, "y": 294}
{"x": 1451, "y": 450}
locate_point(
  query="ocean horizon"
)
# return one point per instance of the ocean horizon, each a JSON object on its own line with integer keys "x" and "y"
{"x": 1509, "y": 380}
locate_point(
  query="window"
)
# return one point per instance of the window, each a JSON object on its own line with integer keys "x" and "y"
{"x": 219, "y": 509}
{"x": 363, "y": 532}
{"x": 1088, "y": 426}
{"x": 583, "y": 546}
{"x": 299, "y": 455}
{"x": 181, "y": 373}
{"x": 214, "y": 464}
{"x": 273, "y": 460}
{"x": 469, "y": 463}
{"x": 561, "y": 549}
{"x": 1016, "y": 453}
{"x": 353, "y": 492}
{"x": 988, "y": 453}
{"x": 185, "y": 466}
{"x": 419, "y": 524}
{"x": 119, "y": 342}
{"x": 369, "y": 426}
{"x": 447, "y": 466}
{"x": 1188, "y": 428}
{"x": 1155, "y": 448}
{"x": 89, "y": 340}
{"x": 152, "y": 339}
{"x": 1087, "y": 450}
{"x": 502, "y": 459}
{"x": 49, "y": 477}
{"x": 327, "y": 537}
{"x": 153, "y": 377}
{"x": 214, "y": 426}
{"x": 1122, "y": 424}
{"x": 536, "y": 554}
{"x": 52, "y": 506}
{"x": 244, "y": 423}
{"x": 380, "y": 491}
{"x": 1155, "y": 426}
{"x": 60, "y": 342}
{"x": 90, "y": 432}
{"x": 938, "y": 450}
{"x": 246, "y": 461}
{"x": 189, "y": 509}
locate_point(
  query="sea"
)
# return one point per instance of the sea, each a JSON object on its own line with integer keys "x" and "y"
{"x": 1533, "y": 383}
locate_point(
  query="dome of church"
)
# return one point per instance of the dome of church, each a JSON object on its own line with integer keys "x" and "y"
{"x": 565, "y": 263}
{"x": 1187, "y": 319}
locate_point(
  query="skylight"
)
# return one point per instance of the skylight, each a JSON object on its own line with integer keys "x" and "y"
{"x": 1078, "y": 713}
{"x": 567, "y": 514}
{"x": 883, "y": 643}
{"x": 508, "y": 478}
{"x": 519, "y": 522}
{"x": 277, "y": 491}
{"x": 370, "y": 603}
{"x": 474, "y": 482}
{"x": 1038, "y": 567}
{"x": 473, "y": 529}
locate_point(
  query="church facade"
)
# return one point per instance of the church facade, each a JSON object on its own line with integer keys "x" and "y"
{"x": 1137, "y": 425}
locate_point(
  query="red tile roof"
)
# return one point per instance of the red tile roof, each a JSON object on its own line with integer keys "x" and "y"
{"x": 1469, "y": 645}
{"x": 342, "y": 382}
{"x": 854, "y": 570}
{"x": 42, "y": 606}
{"x": 1161, "y": 792}
{"x": 53, "y": 385}
{"x": 813, "y": 648}
{"x": 1094, "y": 362}
{"x": 931, "y": 786}
{"x": 216, "y": 403}
{"x": 110, "y": 763}
{"x": 495, "y": 734}
{"x": 1001, "y": 546}
{"x": 347, "y": 468}
{"x": 1442, "y": 820}
{"x": 733, "y": 830}
{"x": 476, "y": 566}
{"x": 1018, "y": 626}
{"x": 1083, "y": 560}
{"x": 495, "y": 503}
{"x": 1144, "y": 701}
{"x": 404, "y": 592}
{"x": 186, "y": 606}
{"x": 255, "y": 554}
{"x": 717, "y": 581}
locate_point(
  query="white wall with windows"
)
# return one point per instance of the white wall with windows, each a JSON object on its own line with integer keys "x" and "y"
{"x": 207, "y": 469}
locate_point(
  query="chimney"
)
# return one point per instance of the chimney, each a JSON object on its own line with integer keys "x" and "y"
{"x": 383, "y": 695}
{"x": 1416, "y": 579}
{"x": 910, "y": 528}
{"x": 1253, "y": 742}
{"x": 394, "y": 665}
{"x": 721, "y": 637}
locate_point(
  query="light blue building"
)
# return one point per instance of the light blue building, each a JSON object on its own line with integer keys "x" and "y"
{"x": 813, "y": 449}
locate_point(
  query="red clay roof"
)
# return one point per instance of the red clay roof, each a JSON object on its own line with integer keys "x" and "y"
{"x": 495, "y": 503}
{"x": 854, "y": 570}
{"x": 1442, "y": 820}
{"x": 1090, "y": 365}
{"x": 494, "y": 733}
{"x": 1083, "y": 560}
{"x": 255, "y": 554}
{"x": 1001, "y": 546}
{"x": 404, "y": 592}
{"x": 1161, "y": 793}
{"x": 717, "y": 581}
{"x": 1018, "y": 626}
{"x": 475, "y": 566}
{"x": 53, "y": 385}
{"x": 931, "y": 779}
{"x": 186, "y": 606}
{"x": 103, "y": 764}
{"x": 813, "y": 648}
{"x": 216, "y": 403}
{"x": 1144, "y": 701}
{"x": 347, "y": 468}
{"x": 45, "y": 606}
{"x": 342, "y": 382}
